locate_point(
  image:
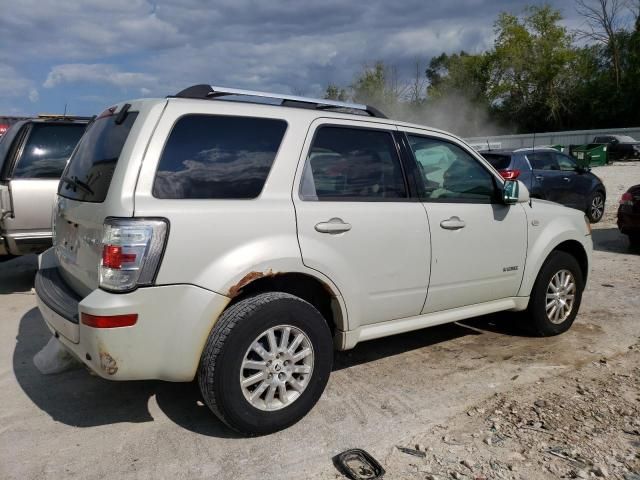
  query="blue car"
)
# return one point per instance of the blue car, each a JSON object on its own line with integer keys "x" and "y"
{"x": 552, "y": 175}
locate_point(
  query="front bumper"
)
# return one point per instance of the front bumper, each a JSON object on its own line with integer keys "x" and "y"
{"x": 173, "y": 325}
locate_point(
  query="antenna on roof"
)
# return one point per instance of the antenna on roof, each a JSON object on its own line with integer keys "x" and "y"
{"x": 64, "y": 115}
{"x": 488, "y": 145}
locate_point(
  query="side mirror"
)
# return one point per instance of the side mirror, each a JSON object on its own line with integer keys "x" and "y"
{"x": 514, "y": 191}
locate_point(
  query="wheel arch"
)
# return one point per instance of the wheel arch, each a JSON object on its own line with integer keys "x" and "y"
{"x": 577, "y": 251}
{"x": 541, "y": 251}
{"x": 318, "y": 292}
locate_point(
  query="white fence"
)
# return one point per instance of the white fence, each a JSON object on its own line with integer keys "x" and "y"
{"x": 575, "y": 137}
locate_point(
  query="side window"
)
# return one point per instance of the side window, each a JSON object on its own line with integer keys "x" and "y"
{"x": 352, "y": 163}
{"x": 216, "y": 157}
{"x": 450, "y": 173}
{"x": 543, "y": 161}
{"x": 47, "y": 150}
{"x": 565, "y": 162}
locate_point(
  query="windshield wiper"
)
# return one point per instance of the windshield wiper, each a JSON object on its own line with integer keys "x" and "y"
{"x": 75, "y": 182}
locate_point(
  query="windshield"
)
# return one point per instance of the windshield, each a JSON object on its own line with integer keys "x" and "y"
{"x": 88, "y": 175}
{"x": 625, "y": 139}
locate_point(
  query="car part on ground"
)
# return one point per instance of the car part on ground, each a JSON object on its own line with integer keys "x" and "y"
{"x": 357, "y": 464}
{"x": 239, "y": 242}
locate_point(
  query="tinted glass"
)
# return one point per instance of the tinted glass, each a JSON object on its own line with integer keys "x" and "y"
{"x": 543, "y": 161}
{"x": 88, "y": 175}
{"x": 625, "y": 139}
{"x": 47, "y": 150}
{"x": 499, "y": 162}
{"x": 450, "y": 173}
{"x": 210, "y": 156}
{"x": 565, "y": 162}
{"x": 351, "y": 163}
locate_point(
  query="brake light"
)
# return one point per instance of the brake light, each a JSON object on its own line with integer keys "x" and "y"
{"x": 109, "y": 321}
{"x": 508, "y": 174}
{"x": 112, "y": 257}
{"x": 626, "y": 199}
{"x": 131, "y": 252}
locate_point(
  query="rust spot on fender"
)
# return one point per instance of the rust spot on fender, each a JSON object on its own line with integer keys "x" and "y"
{"x": 108, "y": 363}
{"x": 236, "y": 289}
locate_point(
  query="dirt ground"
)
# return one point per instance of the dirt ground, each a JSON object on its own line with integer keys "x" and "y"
{"x": 472, "y": 400}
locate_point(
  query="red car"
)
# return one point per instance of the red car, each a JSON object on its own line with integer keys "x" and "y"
{"x": 629, "y": 214}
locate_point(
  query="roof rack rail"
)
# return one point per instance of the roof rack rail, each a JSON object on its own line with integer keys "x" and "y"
{"x": 56, "y": 116}
{"x": 204, "y": 91}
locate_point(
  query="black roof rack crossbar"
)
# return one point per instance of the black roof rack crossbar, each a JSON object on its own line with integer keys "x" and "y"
{"x": 204, "y": 91}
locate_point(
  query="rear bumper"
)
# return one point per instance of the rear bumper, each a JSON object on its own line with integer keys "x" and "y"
{"x": 173, "y": 325}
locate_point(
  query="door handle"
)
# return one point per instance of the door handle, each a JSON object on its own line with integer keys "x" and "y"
{"x": 333, "y": 226}
{"x": 453, "y": 223}
{"x": 539, "y": 177}
{"x": 566, "y": 179}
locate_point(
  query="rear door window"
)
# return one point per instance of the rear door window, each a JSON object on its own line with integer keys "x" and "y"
{"x": 88, "y": 175}
{"x": 218, "y": 157}
{"x": 543, "y": 161}
{"x": 353, "y": 164}
{"x": 47, "y": 150}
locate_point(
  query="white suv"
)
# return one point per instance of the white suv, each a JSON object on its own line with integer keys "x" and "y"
{"x": 216, "y": 236}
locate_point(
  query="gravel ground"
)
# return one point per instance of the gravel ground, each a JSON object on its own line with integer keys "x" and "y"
{"x": 483, "y": 400}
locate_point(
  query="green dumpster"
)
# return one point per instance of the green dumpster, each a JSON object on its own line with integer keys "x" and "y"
{"x": 592, "y": 154}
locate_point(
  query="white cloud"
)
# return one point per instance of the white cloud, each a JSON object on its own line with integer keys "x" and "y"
{"x": 96, "y": 73}
{"x": 34, "y": 96}
{"x": 13, "y": 83}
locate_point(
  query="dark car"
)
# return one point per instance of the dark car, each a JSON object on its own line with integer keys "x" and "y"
{"x": 619, "y": 147}
{"x": 629, "y": 214}
{"x": 554, "y": 176}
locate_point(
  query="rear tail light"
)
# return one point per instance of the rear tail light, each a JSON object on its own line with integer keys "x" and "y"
{"x": 131, "y": 252}
{"x": 626, "y": 199}
{"x": 509, "y": 174}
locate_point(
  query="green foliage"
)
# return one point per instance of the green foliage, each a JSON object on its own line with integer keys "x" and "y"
{"x": 535, "y": 78}
{"x": 334, "y": 92}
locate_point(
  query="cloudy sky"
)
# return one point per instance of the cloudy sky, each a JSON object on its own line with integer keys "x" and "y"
{"x": 92, "y": 53}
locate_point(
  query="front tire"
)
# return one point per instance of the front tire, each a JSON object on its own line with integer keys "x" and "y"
{"x": 556, "y": 295}
{"x": 266, "y": 363}
{"x": 595, "y": 210}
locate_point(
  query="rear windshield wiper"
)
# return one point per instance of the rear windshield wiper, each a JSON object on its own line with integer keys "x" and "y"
{"x": 75, "y": 182}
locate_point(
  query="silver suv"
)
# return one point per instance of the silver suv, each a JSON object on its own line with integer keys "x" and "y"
{"x": 212, "y": 235}
{"x": 33, "y": 154}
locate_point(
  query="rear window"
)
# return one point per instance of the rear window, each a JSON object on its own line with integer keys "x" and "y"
{"x": 88, "y": 176}
{"x": 499, "y": 162}
{"x": 218, "y": 157}
{"x": 47, "y": 150}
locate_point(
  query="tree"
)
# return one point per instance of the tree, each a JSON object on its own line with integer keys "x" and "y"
{"x": 603, "y": 20}
{"x": 531, "y": 80}
{"x": 379, "y": 85}
{"x": 334, "y": 92}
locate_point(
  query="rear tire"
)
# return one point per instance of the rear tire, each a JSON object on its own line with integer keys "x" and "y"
{"x": 595, "y": 210}
{"x": 266, "y": 363}
{"x": 556, "y": 295}
{"x": 634, "y": 239}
